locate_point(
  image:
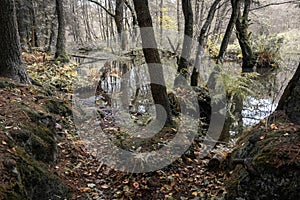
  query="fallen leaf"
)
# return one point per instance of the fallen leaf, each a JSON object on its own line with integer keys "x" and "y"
{"x": 136, "y": 185}
{"x": 105, "y": 186}
{"x": 85, "y": 189}
{"x": 195, "y": 193}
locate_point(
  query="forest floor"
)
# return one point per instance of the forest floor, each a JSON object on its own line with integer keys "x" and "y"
{"x": 89, "y": 178}
{"x": 84, "y": 173}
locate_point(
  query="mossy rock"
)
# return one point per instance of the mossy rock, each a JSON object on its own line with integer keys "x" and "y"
{"x": 38, "y": 141}
{"x": 274, "y": 171}
{"x": 36, "y": 181}
{"x": 28, "y": 135}
{"x": 57, "y": 107}
{"x": 38, "y": 137}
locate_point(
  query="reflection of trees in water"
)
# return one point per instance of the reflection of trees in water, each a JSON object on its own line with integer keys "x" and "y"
{"x": 124, "y": 83}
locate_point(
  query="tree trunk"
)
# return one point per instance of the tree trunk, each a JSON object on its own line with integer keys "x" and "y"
{"x": 219, "y": 22}
{"x": 210, "y": 16}
{"x": 178, "y": 17}
{"x": 134, "y": 22}
{"x": 197, "y": 9}
{"x": 60, "y": 53}
{"x": 34, "y": 35}
{"x": 158, "y": 88}
{"x": 21, "y": 19}
{"x": 234, "y": 15}
{"x": 88, "y": 33}
{"x": 290, "y": 100}
{"x": 201, "y": 13}
{"x": 243, "y": 38}
{"x": 52, "y": 36}
{"x": 187, "y": 42}
{"x": 161, "y": 21}
{"x": 11, "y": 65}
{"x": 75, "y": 23}
{"x": 119, "y": 15}
{"x": 119, "y": 11}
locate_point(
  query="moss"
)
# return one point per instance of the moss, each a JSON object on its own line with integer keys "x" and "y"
{"x": 62, "y": 58}
{"x": 57, "y": 107}
{"x": 32, "y": 114}
{"x": 37, "y": 136}
{"x": 275, "y": 157}
{"x": 38, "y": 183}
{"x": 14, "y": 193}
{"x": 42, "y": 143}
{"x": 7, "y": 84}
{"x": 265, "y": 162}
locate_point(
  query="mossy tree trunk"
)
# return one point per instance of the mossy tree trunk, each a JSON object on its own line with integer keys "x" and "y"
{"x": 290, "y": 100}
{"x": 242, "y": 33}
{"x": 61, "y": 53}
{"x": 11, "y": 65}
{"x": 158, "y": 86}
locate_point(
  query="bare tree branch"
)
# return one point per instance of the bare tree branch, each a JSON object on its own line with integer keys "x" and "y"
{"x": 106, "y": 10}
{"x": 134, "y": 20}
{"x": 275, "y": 4}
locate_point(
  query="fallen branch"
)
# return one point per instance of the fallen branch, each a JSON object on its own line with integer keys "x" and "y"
{"x": 87, "y": 57}
{"x": 222, "y": 160}
{"x": 217, "y": 161}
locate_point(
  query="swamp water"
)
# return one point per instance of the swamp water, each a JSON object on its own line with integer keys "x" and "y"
{"x": 125, "y": 84}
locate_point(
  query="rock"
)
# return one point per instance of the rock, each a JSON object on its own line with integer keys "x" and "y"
{"x": 29, "y": 145}
{"x": 270, "y": 168}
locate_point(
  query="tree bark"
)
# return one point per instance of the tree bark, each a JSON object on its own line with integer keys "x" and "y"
{"x": 178, "y": 17}
{"x": 158, "y": 86}
{"x": 242, "y": 33}
{"x": 290, "y": 100}
{"x": 11, "y": 65}
{"x": 197, "y": 9}
{"x": 61, "y": 53}
{"x": 21, "y": 19}
{"x": 161, "y": 16}
{"x": 219, "y": 21}
{"x": 34, "y": 35}
{"x": 210, "y": 16}
{"x": 187, "y": 42}
{"x": 234, "y": 15}
{"x": 119, "y": 11}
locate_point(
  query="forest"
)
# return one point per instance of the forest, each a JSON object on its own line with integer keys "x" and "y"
{"x": 139, "y": 99}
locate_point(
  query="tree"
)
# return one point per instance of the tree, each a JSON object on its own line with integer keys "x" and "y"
{"x": 187, "y": 42}
{"x": 118, "y": 17}
{"x": 11, "y": 65}
{"x": 119, "y": 13}
{"x": 235, "y": 4}
{"x": 158, "y": 88}
{"x": 290, "y": 100}
{"x": 34, "y": 34}
{"x": 22, "y": 19}
{"x": 203, "y": 32}
{"x": 242, "y": 33}
{"x": 61, "y": 53}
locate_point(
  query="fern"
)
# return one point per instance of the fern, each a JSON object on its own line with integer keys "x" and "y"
{"x": 237, "y": 88}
